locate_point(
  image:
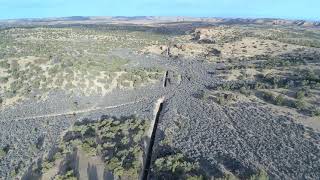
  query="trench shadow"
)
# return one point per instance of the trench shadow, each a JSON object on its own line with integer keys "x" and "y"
{"x": 34, "y": 174}
{"x": 107, "y": 175}
{"x": 92, "y": 172}
{"x": 70, "y": 163}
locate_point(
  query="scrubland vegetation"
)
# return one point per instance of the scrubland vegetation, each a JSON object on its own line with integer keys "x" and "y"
{"x": 175, "y": 166}
{"x": 294, "y": 85}
{"x": 34, "y": 61}
{"x": 277, "y": 65}
{"x": 117, "y": 142}
{"x": 248, "y": 86}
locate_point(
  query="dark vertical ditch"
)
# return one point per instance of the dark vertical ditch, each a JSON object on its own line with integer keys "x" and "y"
{"x": 147, "y": 165}
{"x": 165, "y": 79}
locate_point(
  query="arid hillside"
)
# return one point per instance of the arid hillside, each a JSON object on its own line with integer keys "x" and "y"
{"x": 159, "y": 98}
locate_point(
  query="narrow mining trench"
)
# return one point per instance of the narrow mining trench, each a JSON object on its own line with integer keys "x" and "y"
{"x": 152, "y": 133}
{"x": 165, "y": 79}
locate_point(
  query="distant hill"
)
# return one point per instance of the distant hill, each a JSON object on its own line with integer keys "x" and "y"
{"x": 156, "y": 20}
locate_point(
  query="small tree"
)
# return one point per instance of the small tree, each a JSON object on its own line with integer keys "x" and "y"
{"x": 315, "y": 111}
{"x": 261, "y": 175}
{"x": 244, "y": 91}
{"x": 300, "y": 94}
{"x": 268, "y": 96}
{"x": 279, "y": 99}
{"x": 300, "y": 104}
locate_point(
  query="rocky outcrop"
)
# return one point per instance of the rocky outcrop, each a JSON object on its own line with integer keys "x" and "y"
{"x": 202, "y": 37}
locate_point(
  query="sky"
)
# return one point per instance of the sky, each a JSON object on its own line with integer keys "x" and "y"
{"x": 287, "y": 9}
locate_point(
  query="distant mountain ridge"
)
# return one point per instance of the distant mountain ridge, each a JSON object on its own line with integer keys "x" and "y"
{"x": 155, "y": 19}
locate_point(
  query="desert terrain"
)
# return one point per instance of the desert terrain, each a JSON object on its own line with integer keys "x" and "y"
{"x": 159, "y": 98}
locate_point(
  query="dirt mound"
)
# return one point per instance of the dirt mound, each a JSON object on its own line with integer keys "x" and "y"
{"x": 186, "y": 50}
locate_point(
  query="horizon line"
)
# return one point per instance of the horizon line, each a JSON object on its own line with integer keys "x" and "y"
{"x": 182, "y": 16}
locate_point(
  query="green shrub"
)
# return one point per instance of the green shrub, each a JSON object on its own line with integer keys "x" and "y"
{"x": 125, "y": 84}
{"x": 244, "y": 91}
{"x": 69, "y": 175}
{"x": 106, "y": 86}
{"x": 228, "y": 176}
{"x": 201, "y": 95}
{"x": 279, "y": 100}
{"x": 10, "y": 94}
{"x": 35, "y": 84}
{"x": 88, "y": 148}
{"x": 300, "y": 104}
{"x": 268, "y": 96}
{"x": 300, "y": 94}
{"x": 4, "y": 64}
{"x": 220, "y": 100}
{"x": 178, "y": 167}
{"x": 2, "y": 153}
{"x": 4, "y": 80}
{"x": 261, "y": 175}
{"x": 47, "y": 165}
{"x": 315, "y": 111}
